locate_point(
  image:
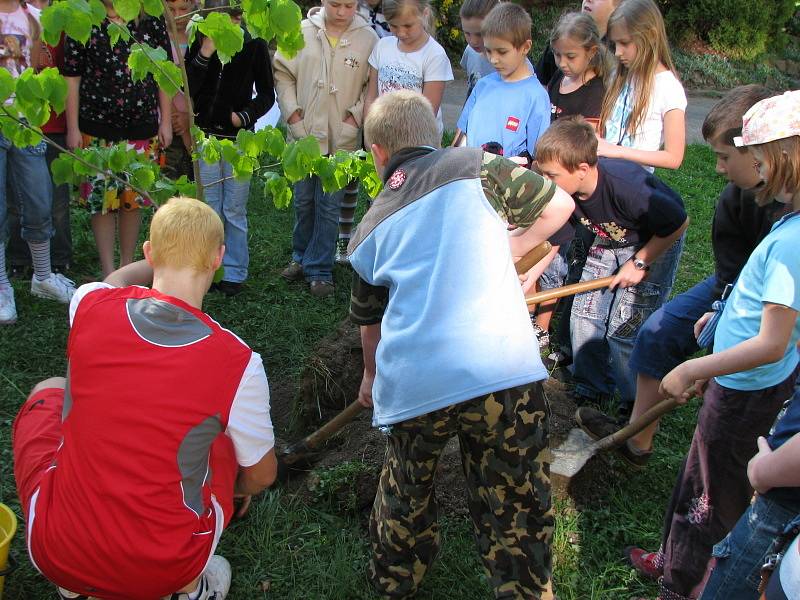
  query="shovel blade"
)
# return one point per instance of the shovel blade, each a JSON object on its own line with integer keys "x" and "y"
{"x": 570, "y": 457}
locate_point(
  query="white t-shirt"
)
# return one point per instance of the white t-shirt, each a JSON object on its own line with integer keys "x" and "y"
{"x": 667, "y": 95}
{"x": 399, "y": 70}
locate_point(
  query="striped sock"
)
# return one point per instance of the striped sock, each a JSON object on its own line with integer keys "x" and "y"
{"x": 4, "y": 282}
{"x": 40, "y": 255}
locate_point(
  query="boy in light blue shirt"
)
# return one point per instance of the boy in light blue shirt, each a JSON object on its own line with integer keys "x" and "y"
{"x": 439, "y": 364}
{"x": 509, "y": 108}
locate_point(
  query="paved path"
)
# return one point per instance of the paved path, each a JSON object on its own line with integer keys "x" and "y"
{"x": 456, "y": 93}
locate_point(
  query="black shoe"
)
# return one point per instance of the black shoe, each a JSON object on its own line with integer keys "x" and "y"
{"x": 229, "y": 288}
{"x": 599, "y": 425}
{"x": 293, "y": 272}
{"x": 595, "y": 423}
{"x": 20, "y": 272}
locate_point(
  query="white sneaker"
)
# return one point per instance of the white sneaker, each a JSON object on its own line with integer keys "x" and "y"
{"x": 8, "y": 309}
{"x": 217, "y": 578}
{"x": 55, "y": 287}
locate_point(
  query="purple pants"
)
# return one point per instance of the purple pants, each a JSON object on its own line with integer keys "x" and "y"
{"x": 712, "y": 490}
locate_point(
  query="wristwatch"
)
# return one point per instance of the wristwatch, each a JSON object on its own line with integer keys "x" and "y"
{"x": 639, "y": 264}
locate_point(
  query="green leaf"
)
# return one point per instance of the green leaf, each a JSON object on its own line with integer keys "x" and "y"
{"x": 228, "y": 37}
{"x": 54, "y": 20}
{"x": 119, "y": 158}
{"x": 258, "y": 21}
{"x": 279, "y": 189}
{"x": 7, "y": 85}
{"x": 272, "y": 141}
{"x": 142, "y": 176}
{"x": 54, "y": 86}
{"x": 153, "y": 7}
{"x": 97, "y": 10}
{"x": 219, "y": 274}
{"x": 62, "y": 169}
{"x": 128, "y": 9}
{"x": 186, "y": 187}
{"x": 209, "y": 150}
{"x": 250, "y": 143}
{"x": 145, "y": 60}
{"x": 168, "y": 77}
{"x": 285, "y": 17}
{"x": 298, "y": 158}
{"x": 31, "y": 99}
{"x": 118, "y": 32}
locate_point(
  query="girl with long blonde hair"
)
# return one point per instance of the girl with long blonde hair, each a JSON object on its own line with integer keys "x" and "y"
{"x": 643, "y": 116}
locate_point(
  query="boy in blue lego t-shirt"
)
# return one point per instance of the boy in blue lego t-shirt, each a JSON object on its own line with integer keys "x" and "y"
{"x": 509, "y": 107}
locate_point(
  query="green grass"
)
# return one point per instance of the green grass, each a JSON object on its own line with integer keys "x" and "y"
{"x": 301, "y": 552}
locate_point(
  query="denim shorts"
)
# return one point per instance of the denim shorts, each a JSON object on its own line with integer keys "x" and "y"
{"x": 556, "y": 272}
{"x": 667, "y": 337}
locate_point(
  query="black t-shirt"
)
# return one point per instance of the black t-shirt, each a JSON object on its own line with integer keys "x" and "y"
{"x": 630, "y": 205}
{"x": 586, "y": 101}
{"x": 113, "y": 106}
{"x": 739, "y": 225}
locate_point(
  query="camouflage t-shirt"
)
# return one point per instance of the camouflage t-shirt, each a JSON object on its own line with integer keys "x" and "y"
{"x": 517, "y": 194}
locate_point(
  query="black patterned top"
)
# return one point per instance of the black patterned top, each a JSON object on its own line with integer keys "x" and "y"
{"x": 112, "y": 106}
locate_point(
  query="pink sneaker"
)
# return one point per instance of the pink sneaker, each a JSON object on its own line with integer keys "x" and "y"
{"x": 648, "y": 564}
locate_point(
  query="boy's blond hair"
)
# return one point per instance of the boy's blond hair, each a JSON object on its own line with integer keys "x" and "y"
{"x": 184, "y": 233}
{"x": 724, "y": 120}
{"x": 401, "y": 119}
{"x": 508, "y": 21}
{"x": 569, "y": 142}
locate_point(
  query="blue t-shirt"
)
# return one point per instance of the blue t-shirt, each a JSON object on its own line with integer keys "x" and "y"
{"x": 512, "y": 114}
{"x": 772, "y": 274}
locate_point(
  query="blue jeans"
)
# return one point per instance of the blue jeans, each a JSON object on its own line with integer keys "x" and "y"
{"x": 61, "y": 244}
{"x": 229, "y": 199}
{"x": 604, "y": 323}
{"x": 316, "y": 227}
{"x": 30, "y": 190}
{"x": 739, "y": 556}
{"x": 667, "y": 337}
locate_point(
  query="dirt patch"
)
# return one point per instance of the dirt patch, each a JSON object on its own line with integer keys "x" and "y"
{"x": 331, "y": 381}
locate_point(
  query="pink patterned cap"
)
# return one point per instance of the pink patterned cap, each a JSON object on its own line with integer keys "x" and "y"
{"x": 771, "y": 119}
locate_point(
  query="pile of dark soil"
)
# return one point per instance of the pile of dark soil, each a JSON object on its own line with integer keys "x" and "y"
{"x": 331, "y": 381}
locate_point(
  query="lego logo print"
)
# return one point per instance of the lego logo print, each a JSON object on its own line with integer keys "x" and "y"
{"x": 512, "y": 123}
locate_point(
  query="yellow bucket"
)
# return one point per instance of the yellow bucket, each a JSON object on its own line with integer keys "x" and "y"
{"x": 8, "y": 527}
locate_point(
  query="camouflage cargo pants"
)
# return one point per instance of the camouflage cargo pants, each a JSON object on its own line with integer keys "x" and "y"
{"x": 504, "y": 453}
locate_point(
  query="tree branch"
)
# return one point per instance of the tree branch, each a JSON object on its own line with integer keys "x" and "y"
{"x": 173, "y": 35}
{"x": 85, "y": 163}
{"x": 261, "y": 168}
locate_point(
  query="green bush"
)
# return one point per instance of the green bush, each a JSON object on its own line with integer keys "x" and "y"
{"x": 737, "y": 28}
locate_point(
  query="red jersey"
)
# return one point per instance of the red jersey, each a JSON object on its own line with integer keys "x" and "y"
{"x": 151, "y": 384}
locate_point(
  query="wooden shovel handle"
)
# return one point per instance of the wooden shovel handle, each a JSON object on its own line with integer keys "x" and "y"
{"x": 527, "y": 262}
{"x": 631, "y": 429}
{"x": 569, "y": 290}
{"x": 313, "y": 440}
